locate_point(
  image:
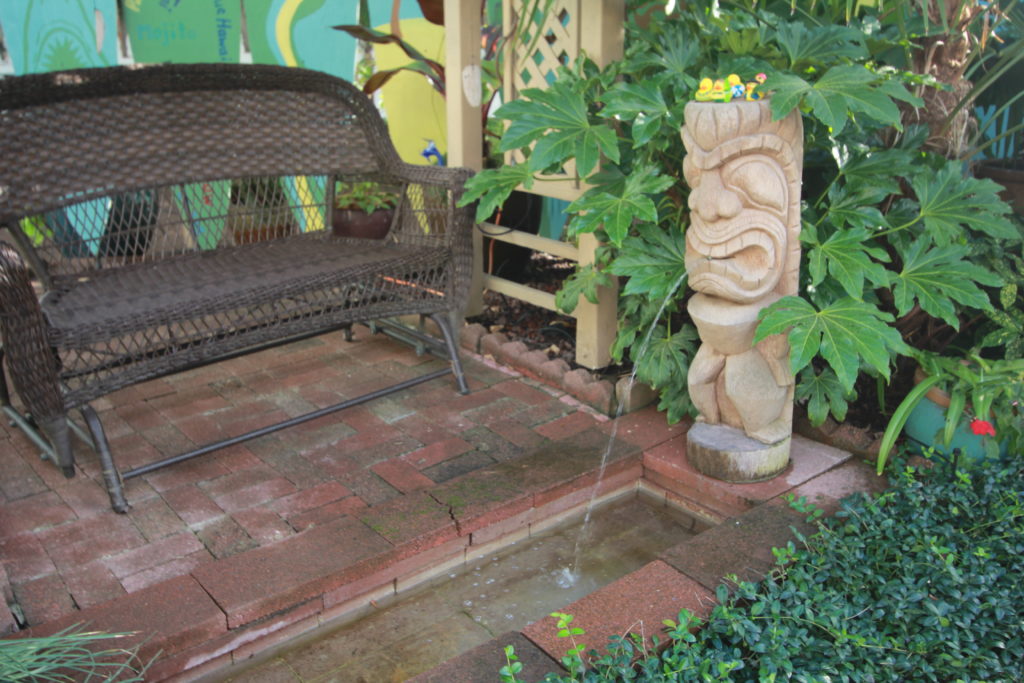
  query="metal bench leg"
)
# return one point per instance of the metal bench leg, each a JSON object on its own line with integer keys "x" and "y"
{"x": 58, "y": 432}
{"x": 111, "y": 477}
{"x": 453, "y": 351}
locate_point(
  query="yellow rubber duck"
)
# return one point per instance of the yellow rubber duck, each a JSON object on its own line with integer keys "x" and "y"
{"x": 735, "y": 85}
{"x": 704, "y": 90}
{"x": 719, "y": 93}
{"x": 751, "y": 95}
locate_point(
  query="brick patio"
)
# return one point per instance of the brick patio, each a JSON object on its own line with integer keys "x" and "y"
{"x": 232, "y": 552}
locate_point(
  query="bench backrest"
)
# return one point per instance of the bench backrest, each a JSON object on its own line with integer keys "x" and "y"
{"x": 105, "y": 167}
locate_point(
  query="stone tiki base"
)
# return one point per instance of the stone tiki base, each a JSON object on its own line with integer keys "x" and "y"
{"x": 728, "y": 454}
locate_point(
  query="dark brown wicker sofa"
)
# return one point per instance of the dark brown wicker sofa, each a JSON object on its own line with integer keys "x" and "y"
{"x": 167, "y": 217}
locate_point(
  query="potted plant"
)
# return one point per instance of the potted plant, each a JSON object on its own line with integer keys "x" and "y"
{"x": 363, "y": 209}
{"x": 972, "y": 404}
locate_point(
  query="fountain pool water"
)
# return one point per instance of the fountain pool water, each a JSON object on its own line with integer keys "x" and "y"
{"x": 487, "y": 597}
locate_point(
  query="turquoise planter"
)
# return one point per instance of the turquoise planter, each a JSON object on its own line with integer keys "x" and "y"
{"x": 925, "y": 425}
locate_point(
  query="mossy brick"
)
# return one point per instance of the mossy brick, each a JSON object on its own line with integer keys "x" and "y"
{"x": 482, "y": 498}
{"x": 168, "y": 617}
{"x": 413, "y": 522}
{"x": 260, "y": 582}
{"x": 402, "y": 476}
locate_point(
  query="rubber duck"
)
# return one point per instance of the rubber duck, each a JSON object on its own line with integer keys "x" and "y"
{"x": 719, "y": 92}
{"x": 704, "y": 90}
{"x": 761, "y": 78}
{"x": 735, "y": 84}
{"x": 750, "y": 94}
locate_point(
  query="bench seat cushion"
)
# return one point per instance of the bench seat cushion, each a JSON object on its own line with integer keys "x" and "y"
{"x": 117, "y": 327}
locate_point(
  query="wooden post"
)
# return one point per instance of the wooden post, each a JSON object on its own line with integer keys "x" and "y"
{"x": 462, "y": 103}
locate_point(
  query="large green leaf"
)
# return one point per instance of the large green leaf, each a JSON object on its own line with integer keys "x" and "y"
{"x": 654, "y": 262}
{"x": 823, "y": 393}
{"x": 804, "y": 46}
{"x": 844, "y": 333}
{"x": 493, "y": 186}
{"x": 949, "y": 202}
{"x": 642, "y": 103}
{"x": 840, "y": 92}
{"x": 847, "y": 256}
{"x": 936, "y": 277}
{"x": 584, "y": 282}
{"x": 615, "y": 213}
{"x": 665, "y": 360}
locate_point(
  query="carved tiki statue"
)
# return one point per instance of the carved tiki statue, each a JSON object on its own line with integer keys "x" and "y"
{"x": 742, "y": 254}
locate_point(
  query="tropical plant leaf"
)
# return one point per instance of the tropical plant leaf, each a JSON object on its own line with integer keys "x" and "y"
{"x": 949, "y": 201}
{"x": 844, "y": 333}
{"x": 493, "y": 186}
{"x": 935, "y": 277}
{"x": 373, "y": 36}
{"x": 804, "y": 46}
{"x": 654, "y": 262}
{"x": 841, "y": 91}
{"x": 824, "y": 394}
{"x": 584, "y": 282}
{"x": 615, "y": 213}
{"x": 642, "y": 103}
{"x": 666, "y": 359}
{"x": 847, "y": 256}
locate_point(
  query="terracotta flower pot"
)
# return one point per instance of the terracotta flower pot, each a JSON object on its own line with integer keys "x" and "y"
{"x": 356, "y": 223}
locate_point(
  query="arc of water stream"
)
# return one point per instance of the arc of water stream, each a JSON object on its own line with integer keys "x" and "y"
{"x": 570, "y": 575}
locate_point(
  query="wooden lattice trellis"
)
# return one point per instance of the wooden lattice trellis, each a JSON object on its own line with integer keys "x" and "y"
{"x": 556, "y": 32}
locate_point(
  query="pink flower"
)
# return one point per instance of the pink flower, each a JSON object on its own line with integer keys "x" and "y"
{"x": 982, "y": 427}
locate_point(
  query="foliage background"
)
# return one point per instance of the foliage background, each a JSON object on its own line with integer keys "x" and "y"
{"x": 904, "y": 251}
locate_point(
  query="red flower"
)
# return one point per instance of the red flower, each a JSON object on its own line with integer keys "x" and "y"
{"x": 982, "y": 427}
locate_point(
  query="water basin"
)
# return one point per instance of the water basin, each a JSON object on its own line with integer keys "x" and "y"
{"x": 486, "y": 597}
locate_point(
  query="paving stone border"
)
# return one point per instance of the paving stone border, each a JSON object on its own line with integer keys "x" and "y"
{"x": 610, "y": 398}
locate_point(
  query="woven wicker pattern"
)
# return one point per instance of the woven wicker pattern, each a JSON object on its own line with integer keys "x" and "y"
{"x": 174, "y": 214}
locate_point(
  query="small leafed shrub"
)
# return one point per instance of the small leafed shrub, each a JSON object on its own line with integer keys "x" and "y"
{"x": 922, "y": 582}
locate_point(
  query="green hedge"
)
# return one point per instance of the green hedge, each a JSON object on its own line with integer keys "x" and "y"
{"x": 924, "y": 582}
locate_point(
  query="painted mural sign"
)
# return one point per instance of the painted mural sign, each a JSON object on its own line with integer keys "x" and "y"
{"x": 184, "y": 31}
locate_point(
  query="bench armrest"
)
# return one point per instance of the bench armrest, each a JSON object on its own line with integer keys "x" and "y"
{"x": 31, "y": 362}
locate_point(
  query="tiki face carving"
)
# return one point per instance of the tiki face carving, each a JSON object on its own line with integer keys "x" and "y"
{"x": 744, "y": 174}
{"x": 742, "y": 254}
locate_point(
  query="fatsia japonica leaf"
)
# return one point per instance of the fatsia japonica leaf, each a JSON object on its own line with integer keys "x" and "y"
{"x": 936, "y": 277}
{"x": 844, "y": 333}
{"x": 803, "y": 45}
{"x": 653, "y": 262}
{"x": 665, "y": 360}
{"x": 840, "y": 91}
{"x": 847, "y": 257}
{"x": 641, "y": 103}
{"x": 584, "y": 282}
{"x": 824, "y": 394}
{"x": 615, "y": 213}
{"x": 493, "y": 186}
{"x": 950, "y": 201}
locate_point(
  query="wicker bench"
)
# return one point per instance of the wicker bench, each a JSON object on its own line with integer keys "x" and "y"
{"x": 171, "y": 216}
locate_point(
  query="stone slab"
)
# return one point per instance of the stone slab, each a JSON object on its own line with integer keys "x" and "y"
{"x": 254, "y": 584}
{"x": 636, "y": 603}
{"x": 169, "y": 617}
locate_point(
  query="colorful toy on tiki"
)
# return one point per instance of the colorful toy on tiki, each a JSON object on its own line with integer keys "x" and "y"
{"x": 704, "y": 90}
{"x": 729, "y": 89}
